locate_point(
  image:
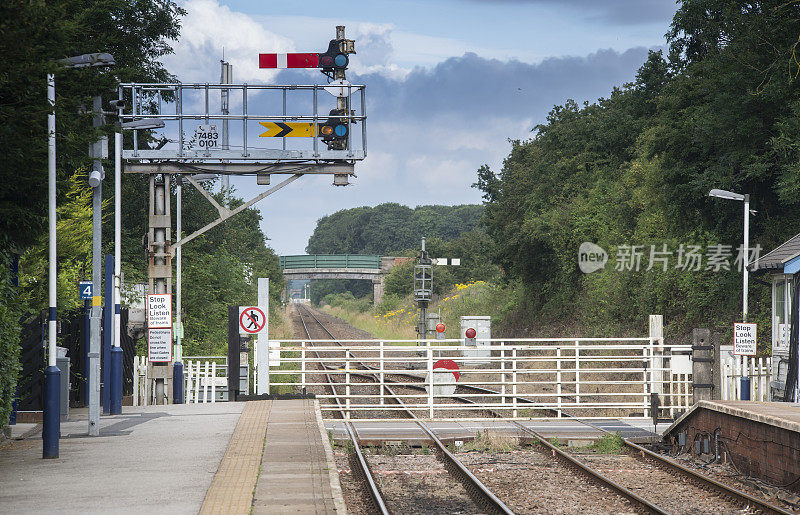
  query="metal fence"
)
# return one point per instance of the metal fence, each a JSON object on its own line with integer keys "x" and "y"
{"x": 512, "y": 378}
{"x": 330, "y": 261}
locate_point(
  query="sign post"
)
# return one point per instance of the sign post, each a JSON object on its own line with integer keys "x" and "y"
{"x": 159, "y": 328}
{"x": 744, "y": 344}
{"x": 262, "y": 343}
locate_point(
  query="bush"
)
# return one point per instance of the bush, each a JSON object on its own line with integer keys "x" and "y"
{"x": 389, "y": 303}
{"x": 9, "y": 344}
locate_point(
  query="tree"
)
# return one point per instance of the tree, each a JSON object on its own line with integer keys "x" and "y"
{"x": 635, "y": 168}
{"x": 34, "y": 35}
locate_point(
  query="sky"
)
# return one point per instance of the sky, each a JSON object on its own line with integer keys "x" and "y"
{"x": 448, "y": 84}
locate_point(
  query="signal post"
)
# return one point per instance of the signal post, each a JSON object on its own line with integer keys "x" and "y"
{"x": 311, "y": 143}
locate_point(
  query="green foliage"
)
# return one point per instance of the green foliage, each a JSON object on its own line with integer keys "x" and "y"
{"x": 392, "y": 229}
{"x": 74, "y": 251}
{"x": 635, "y": 169}
{"x": 9, "y": 341}
{"x": 389, "y": 229}
{"x": 348, "y": 302}
{"x": 220, "y": 270}
{"x": 400, "y": 280}
{"x": 608, "y": 444}
{"x": 33, "y": 35}
{"x": 390, "y": 302}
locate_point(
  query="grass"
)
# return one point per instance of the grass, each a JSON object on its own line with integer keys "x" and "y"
{"x": 608, "y": 444}
{"x": 489, "y": 441}
{"x": 394, "y": 325}
{"x": 281, "y": 329}
{"x": 476, "y": 298}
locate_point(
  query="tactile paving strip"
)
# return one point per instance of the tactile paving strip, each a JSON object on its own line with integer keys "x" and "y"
{"x": 231, "y": 491}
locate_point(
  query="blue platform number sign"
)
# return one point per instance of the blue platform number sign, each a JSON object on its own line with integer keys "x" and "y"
{"x": 85, "y": 290}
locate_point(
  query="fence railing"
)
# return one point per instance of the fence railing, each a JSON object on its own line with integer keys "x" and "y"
{"x": 206, "y": 378}
{"x": 520, "y": 378}
{"x": 758, "y": 369}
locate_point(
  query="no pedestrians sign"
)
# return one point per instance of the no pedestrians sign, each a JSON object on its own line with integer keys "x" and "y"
{"x": 252, "y": 319}
{"x": 744, "y": 339}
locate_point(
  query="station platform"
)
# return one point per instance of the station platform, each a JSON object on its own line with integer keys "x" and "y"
{"x": 761, "y": 439}
{"x": 565, "y": 429}
{"x": 231, "y": 457}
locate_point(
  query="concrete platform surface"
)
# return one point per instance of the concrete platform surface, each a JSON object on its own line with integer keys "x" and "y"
{"x": 298, "y": 474}
{"x": 154, "y": 459}
{"x": 779, "y": 414}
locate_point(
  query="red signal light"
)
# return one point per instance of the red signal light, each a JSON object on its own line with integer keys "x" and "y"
{"x": 470, "y": 333}
{"x": 440, "y": 328}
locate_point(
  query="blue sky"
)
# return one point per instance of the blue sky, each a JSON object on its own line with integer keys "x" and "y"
{"x": 449, "y": 82}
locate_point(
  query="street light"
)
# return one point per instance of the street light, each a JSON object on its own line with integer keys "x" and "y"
{"x": 729, "y": 195}
{"x": 88, "y": 60}
{"x": 51, "y": 423}
{"x": 143, "y": 123}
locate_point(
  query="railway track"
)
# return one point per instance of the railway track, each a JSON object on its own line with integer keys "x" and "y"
{"x": 477, "y": 491}
{"x": 647, "y": 464}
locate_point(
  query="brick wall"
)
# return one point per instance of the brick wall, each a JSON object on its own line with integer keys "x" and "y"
{"x": 756, "y": 449}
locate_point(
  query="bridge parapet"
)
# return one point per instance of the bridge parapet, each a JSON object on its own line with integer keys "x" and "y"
{"x": 341, "y": 266}
{"x": 328, "y": 261}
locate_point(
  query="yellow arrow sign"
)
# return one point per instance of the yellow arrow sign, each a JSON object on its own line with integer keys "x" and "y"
{"x": 288, "y": 130}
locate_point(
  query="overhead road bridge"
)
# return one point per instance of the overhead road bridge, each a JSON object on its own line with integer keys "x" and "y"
{"x": 340, "y": 266}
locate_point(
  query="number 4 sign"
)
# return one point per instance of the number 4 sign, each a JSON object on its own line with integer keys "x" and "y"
{"x": 85, "y": 290}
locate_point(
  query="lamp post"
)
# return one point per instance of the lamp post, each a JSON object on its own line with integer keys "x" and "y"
{"x": 51, "y": 423}
{"x": 745, "y": 198}
{"x": 729, "y": 195}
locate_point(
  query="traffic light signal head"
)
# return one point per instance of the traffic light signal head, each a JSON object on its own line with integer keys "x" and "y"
{"x": 334, "y": 129}
{"x": 334, "y": 58}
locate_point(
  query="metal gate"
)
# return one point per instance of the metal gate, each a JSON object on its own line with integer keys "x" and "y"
{"x": 510, "y": 378}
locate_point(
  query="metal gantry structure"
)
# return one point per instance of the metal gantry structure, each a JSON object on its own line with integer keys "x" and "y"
{"x": 186, "y": 120}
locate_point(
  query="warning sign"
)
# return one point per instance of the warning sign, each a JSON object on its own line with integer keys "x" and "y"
{"x": 159, "y": 311}
{"x": 744, "y": 339}
{"x": 252, "y": 319}
{"x": 159, "y": 345}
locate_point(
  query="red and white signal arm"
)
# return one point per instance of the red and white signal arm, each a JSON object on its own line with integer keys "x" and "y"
{"x": 296, "y": 60}
{"x": 252, "y": 319}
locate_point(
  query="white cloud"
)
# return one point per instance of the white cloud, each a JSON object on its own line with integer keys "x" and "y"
{"x": 430, "y": 128}
{"x": 207, "y": 29}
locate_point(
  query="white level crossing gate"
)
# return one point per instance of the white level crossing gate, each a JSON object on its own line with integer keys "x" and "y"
{"x": 522, "y": 378}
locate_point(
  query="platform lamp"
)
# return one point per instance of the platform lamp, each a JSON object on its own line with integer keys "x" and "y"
{"x": 51, "y": 422}
{"x": 115, "y": 389}
{"x": 729, "y": 195}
